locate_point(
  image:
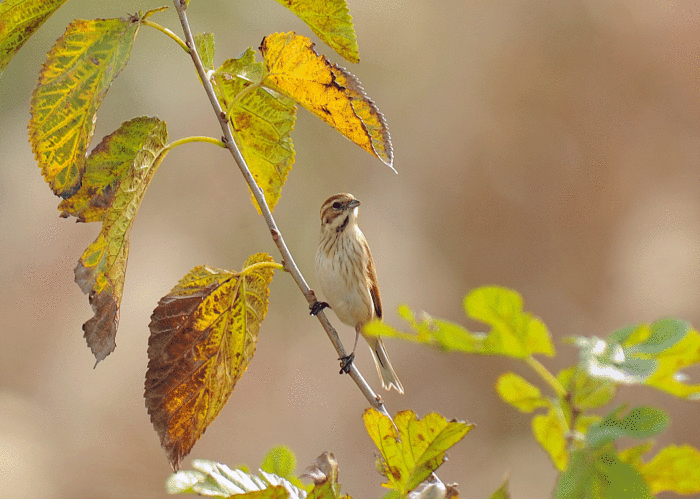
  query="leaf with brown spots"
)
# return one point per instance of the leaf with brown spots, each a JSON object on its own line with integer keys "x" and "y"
{"x": 418, "y": 449}
{"x": 293, "y": 68}
{"x": 19, "y": 19}
{"x": 203, "y": 336}
{"x": 118, "y": 173}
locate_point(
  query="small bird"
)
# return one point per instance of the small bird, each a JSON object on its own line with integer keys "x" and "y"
{"x": 345, "y": 270}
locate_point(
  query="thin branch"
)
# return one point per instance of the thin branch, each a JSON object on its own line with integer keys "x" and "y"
{"x": 287, "y": 259}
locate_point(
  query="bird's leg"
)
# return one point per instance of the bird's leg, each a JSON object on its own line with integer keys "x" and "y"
{"x": 346, "y": 362}
{"x": 317, "y": 306}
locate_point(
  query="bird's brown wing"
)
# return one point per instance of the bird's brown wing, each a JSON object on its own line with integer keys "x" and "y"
{"x": 374, "y": 288}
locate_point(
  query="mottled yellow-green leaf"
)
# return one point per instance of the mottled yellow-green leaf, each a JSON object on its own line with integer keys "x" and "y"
{"x": 74, "y": 80}
{"x": 261, "y": 122}
{"x": 113, "y": 195}
{"x": 330, "y": 20}
{"x": 203, "y": 337}
{"x": 418, "y": 449}
{"x": 519, "y": 393}
{"x": 204, "y": 42}
{"x": 19, "y": 19}
{"x": 294, "y": 69}
{"x": 513, "y": 332}
{"x": 109, "y": 163}
{"x": 550, "y": 430}
{"x": 674, "y": 468}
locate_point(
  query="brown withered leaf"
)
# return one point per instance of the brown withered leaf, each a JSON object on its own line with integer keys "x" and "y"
{"x": 203, "y": 336}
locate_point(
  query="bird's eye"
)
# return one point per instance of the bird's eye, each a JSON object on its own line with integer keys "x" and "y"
{"x": 336, "y": 205}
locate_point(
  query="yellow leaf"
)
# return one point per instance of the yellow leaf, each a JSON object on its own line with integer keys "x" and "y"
{"x": 117, "y": 181}
{"x": 330, "y": 92}
{"x": 19, "y": 19}
{"x": 418, "y": 449}
{"x": 261, "y": 122}
{"x": 550, "y": 431}
{"x": 514, "y": 332}
{"x": 203, "y": 336}
{"x": 674, "y": 468}
{"x": 516, "y": 391}
{"x": 76, "y": 76}
{"x": 331, "y": 22}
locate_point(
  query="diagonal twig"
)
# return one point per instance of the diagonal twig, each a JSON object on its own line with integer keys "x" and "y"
{"x": 287, "y": 259}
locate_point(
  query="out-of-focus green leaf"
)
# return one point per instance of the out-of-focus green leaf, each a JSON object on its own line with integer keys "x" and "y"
{"x": 120, "y": 170}
{"x": 330, "y": 20}
{"x": 203, "y": 337}
{"x": 204, "y": 42}
{"x": 519, "y": 393}
{"x": 587, "y": 392}
{"x": 279, "y": 460}
{"x": 640, "y": 422}
{"x": 212, "y": 479}
{"x": 418, "y": 449}
{"x": 19, "y": 19}
{"x": 514, "y": 333}
{"x": 650, "y": 354}
{"x": 502, "y": 492}
{"x": 74, "y": 80}
{"x": 674, "y": 468}
{"x": 633, "y": 455}
{"x": 600, "y": 475}
{"x": 550, "y": 431}
{"x": 261, "y": 122}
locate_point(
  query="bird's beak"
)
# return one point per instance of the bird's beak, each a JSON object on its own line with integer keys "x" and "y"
{"x": 354, "y": 203}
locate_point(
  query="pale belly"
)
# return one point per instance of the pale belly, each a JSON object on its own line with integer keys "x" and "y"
{"x": 352, "y": 303}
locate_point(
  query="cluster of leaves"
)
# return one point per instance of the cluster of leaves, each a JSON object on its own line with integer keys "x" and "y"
{"x": 411, "y": 449}
{"x": 203, "y": 333}
{"x": 581, "y": 444}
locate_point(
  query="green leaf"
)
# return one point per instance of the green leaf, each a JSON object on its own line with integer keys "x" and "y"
{"x": 517, "y": 392}
{"x": 502, "y": 492}
{"x": 204, "y": 42}
{"x": 19, "y": 19}
{"x": 550, "y": 431}
{"x": 119, "y": 171}
{"x": 513, "y": 332}
{"x": 212, "y": 479}
{"x": 279, "y": 460}
{"x": 330, "y": 20}
{"x": 587, "y": 392}
{"x": 261, "y": 122}
{"x": 653, "y": 355}
{"x": 640, "y": 422}
{"x": 418, "y": 449}
{"x": 600, "y": 475}
{"x": 429, "y": 331}
{"x": 203, "y": 337}
{"x": 76, "y": 76}
{"x": 674, "y": 468}
{"x": 633, "y": 455}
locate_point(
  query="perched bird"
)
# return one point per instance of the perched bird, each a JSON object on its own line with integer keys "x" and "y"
{"x": 345, "y": 270}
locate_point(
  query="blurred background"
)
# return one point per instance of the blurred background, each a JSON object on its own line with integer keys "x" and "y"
{"x": 552, "y": 147}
